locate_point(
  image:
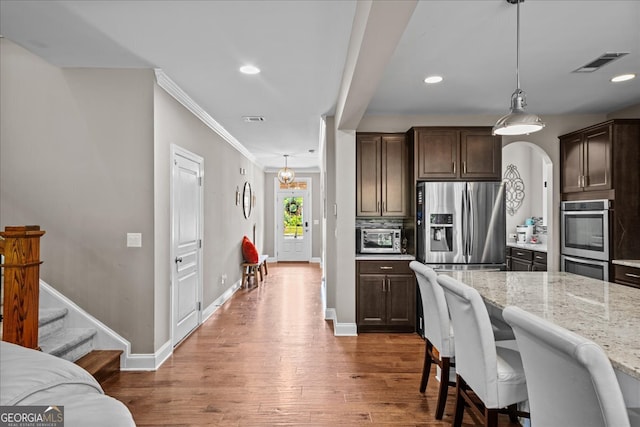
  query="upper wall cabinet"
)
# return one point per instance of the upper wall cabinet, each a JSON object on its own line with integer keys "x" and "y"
{"x": 602, "y": 158}
{"x": 456, "y": 153}
{"x": 381, "y": 175}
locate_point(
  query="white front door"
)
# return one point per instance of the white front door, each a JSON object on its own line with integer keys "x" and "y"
{"x": 186, "y": 242}
{"x": 293, "y": 215}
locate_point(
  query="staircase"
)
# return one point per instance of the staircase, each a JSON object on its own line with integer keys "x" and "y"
{"x": 20, "y": 246}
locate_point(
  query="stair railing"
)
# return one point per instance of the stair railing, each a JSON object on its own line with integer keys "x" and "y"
{"x": 21, "y": 250}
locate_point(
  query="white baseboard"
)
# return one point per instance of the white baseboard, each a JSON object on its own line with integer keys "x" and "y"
{"x": 340, "y": 329}
{"x": 208, "y": 312}
{"x": 107, "y": 339}
{"x": 315, "y": 260}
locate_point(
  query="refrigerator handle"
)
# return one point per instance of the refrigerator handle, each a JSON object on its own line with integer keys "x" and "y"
{"x": 470, "y": 216}
{"x": 464, "y": 216}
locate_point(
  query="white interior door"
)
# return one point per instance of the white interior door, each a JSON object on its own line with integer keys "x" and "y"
{"x": 187, "y": 243}
{"x": 293, "y": 216}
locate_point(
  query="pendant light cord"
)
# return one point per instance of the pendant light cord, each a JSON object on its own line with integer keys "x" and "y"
{"x": 518, "y": 45}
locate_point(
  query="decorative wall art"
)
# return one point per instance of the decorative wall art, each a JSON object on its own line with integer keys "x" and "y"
{"x": 514, "y": 189}
{"x": 246, "y": 200}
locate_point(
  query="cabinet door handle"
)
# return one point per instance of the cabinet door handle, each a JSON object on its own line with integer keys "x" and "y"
{"x": 454, "y": 167}
{"x": 386, "y": 268}
{"x": 635, "y": 276}
{"x": 378, "y": 207}
{"x": 585, "y": 180}
{"x": 464, "y": 167}
{"x": 383, "y": 210}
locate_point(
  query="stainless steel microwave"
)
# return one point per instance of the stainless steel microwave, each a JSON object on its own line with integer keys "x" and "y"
{"x": 379, "y": 240}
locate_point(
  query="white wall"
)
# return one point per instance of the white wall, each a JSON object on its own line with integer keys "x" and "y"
{"x": 77, "y": 159}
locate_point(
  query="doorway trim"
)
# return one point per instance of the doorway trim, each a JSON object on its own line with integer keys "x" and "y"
{"x": 309, "y": 217}
{"x": 179, "y": 151}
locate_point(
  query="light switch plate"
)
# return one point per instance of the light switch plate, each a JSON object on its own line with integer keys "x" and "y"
{"x": 134, "y": 240}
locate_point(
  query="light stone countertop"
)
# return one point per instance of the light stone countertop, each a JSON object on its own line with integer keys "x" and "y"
{"x": 604, "y": 312}
{"x": 635, "y": 263}
{"x": 540, "y": 247}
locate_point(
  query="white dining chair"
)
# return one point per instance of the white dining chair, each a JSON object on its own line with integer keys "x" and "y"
{"x": 438, "y": 333}
{"x": 570, "y": 379}
{"x": 492, "y": 370}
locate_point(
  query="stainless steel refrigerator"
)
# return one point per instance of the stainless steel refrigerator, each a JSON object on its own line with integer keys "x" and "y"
{"x": 461, "y": 225}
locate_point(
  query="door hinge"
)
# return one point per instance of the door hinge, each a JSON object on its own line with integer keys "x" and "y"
{"x": 200, "y": 181}
{"x": 199, "y": 306}
{"x": 199, "y": 243}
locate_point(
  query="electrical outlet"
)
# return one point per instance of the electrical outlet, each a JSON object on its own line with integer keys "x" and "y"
{"x": 134, "y": 240}
{"x": 223, "y": 279}
{"x": 513, "y": 236}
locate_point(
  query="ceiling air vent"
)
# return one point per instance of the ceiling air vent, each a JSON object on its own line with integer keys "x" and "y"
{"x": 601, "y": 61}
{"x": 253, "y": 119}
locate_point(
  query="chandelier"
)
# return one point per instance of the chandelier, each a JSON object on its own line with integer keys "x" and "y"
{"x": 286, "y": 175}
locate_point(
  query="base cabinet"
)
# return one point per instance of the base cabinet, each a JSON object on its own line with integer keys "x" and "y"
{"x": 625, "y": 275}
{"x": 525, "y": 260}
{"x": 386, "y": 296}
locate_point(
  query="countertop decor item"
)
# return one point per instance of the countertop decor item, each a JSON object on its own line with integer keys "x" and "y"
{"x": 514, "y": 189}
{"x": 518, "y": 122}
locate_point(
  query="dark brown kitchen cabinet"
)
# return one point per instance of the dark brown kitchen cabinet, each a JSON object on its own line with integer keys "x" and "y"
{"x": 586, "y": 160}
{"x": 382, "y": 185}
{"x": 456, "y": 153}
{"x": 626, "y": 275}
{"x": 525, "y": 260}
{"x": 386, "y": 296}
{"x": 601, "y": 162}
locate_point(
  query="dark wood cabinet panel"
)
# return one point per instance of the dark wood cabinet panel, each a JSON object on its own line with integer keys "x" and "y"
{"x": 597, "y": 159}
{"x": 385, "y": 301}
{"x": 520, "y": 265}
{"x": 571, "y": 159}
{"x": 436, "y": 154}
{"x": 456, "y": 153}
{"x": 371, "y": 302}
{"x": 368, "y": 175}
{"x": 382, "y": 185}
{"x": 394, "y": 183}
{"x": 525, "y": 260}
{"x": 480, "y": 155}
{"x": 626, "y": 275}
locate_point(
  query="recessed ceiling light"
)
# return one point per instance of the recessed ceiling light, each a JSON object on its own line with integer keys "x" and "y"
{"x": 623, "y": 78}
{"x": 249, "y": 69}
{"x": 433, "y": 79}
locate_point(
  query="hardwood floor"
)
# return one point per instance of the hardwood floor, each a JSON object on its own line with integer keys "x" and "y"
{"x": 268, "y": 357}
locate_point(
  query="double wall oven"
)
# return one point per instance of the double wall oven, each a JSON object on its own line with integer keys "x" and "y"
{"x": 585, "y": 238}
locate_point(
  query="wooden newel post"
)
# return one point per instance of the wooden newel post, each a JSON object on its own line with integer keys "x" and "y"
{"x": 21, "y": 284}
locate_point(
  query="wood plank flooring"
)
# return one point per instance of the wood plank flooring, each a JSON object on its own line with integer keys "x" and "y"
{"x": 268, "y": 357}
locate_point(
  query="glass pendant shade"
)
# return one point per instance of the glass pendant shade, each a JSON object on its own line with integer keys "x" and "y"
{"x": 286, "y": 175}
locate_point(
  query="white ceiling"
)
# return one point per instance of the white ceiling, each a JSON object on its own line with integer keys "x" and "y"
{"x": 301, "y": 48}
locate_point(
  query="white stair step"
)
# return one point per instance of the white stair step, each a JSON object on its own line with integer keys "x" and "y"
{"x": 69, "y": 344}
{"x": 50, "y": 321}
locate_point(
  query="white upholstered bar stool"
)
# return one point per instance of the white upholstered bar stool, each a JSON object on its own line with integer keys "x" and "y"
{"x": 492, "y": 371}
{"x": 570, "y": 379}
{"x": 438, "y": 333}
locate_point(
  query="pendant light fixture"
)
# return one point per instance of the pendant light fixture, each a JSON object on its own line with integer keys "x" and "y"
{"x": 518, "y": 122}
{"x": 286, "y": 175}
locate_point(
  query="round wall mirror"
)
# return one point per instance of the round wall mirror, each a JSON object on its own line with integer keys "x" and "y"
{"x": 246, "y": 199}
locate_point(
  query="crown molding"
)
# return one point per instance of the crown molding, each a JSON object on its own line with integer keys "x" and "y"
{"x": 181, "y": 96}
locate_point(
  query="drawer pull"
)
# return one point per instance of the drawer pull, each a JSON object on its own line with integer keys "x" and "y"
{"x": 635, "y": 276}
{"x": 519, "y": 253}
{"x": 539, "y": 257}
{"x": 386, "y": 268}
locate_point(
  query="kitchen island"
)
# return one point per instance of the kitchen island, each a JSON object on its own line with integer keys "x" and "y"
{"x": 604, "y": 312}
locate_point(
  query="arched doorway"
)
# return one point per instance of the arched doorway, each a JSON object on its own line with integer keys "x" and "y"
{"x": 534, "y": 168}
